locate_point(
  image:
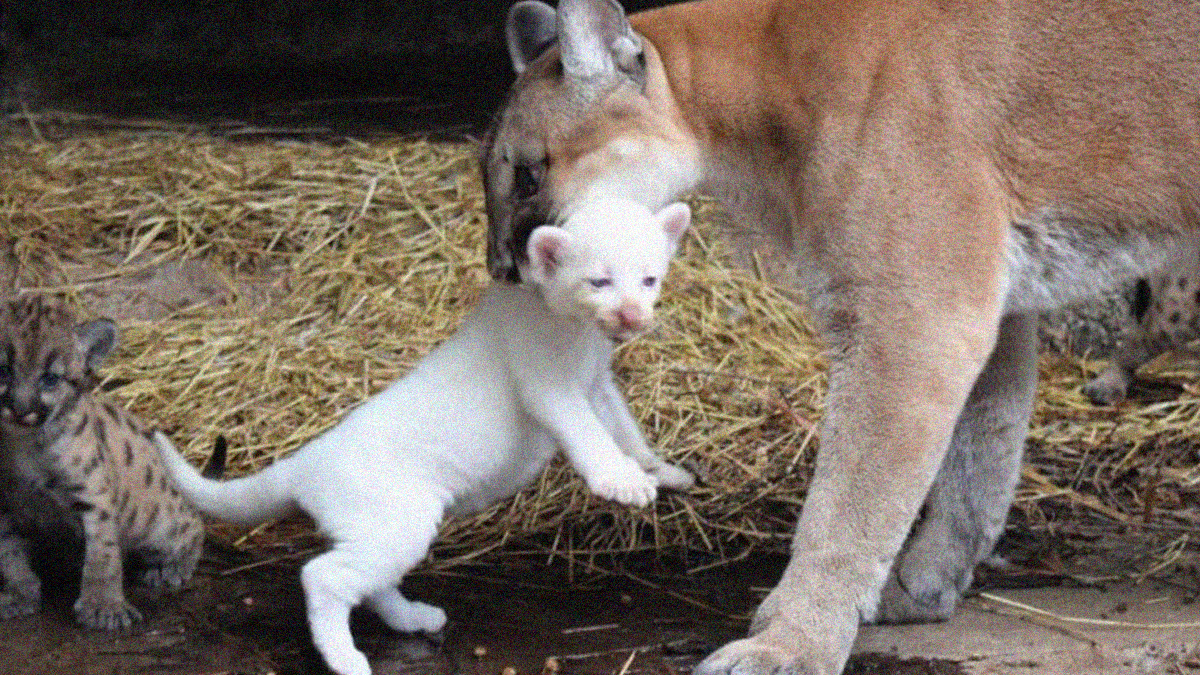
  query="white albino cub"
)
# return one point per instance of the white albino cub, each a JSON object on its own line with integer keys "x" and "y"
{"x": 475, "y": 421}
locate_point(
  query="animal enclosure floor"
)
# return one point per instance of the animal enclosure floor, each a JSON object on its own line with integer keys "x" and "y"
{"x": 245, "y": 615}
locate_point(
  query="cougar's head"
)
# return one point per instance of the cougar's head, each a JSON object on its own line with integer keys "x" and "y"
{"x": 590, "y": 115}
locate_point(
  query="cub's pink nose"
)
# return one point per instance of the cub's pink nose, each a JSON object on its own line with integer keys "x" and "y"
{"x": 631, "y": 317}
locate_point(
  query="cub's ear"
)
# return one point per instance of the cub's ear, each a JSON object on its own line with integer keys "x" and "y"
{"x": 95, "y": 339}
{"x": 596, "y": 40}
{"x": 548, "y": 247}
{"x": 532, "y": 27}
{"x": 675, "y": 219}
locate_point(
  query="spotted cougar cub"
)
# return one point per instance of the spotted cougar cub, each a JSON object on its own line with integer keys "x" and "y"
{"x": 73, "y": 462}
{"x": 475, "y": 421}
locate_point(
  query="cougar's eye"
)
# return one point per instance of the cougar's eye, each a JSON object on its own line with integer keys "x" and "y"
{"x": 49, "y": 380}
{"x": 649, "y": 282}
{"x": 602, "y": 282}
{"x": 525, "y": 180}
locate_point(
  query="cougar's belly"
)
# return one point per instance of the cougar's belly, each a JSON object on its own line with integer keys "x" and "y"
{"x": 1054, "y": 259}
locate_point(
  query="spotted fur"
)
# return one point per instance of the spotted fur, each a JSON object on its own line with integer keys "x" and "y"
{"x": 1167, "y": 309}
{"x": 73, "y": 461}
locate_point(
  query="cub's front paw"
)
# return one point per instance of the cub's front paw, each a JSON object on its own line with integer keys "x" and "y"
{"x": 672, "y": 477}
{"x": 104, "y": 613}
{"x": 625, "y": 484}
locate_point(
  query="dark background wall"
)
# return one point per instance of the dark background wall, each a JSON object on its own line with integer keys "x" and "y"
{"x": 389, "y": 64}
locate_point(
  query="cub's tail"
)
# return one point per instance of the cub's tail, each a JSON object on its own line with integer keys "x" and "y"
{"x": 250, "y": 500}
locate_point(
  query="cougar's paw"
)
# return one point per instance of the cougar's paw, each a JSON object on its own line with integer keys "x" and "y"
{"x": 106, "y": 613}
{"x": 920, "y": 603}
{"x": 672, "y": 477}
{"x": 753, "y": 656}
{"x": 626, "y": 484}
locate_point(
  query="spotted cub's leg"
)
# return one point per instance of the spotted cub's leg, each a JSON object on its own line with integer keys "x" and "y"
{"x": 170, "y": 538}
{"x": 169, "y": 563}
{"x": 22, "y": 589}
{"x": 102, "y": 602}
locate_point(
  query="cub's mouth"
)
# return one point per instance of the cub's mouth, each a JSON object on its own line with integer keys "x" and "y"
{"x": 30, "y": 419}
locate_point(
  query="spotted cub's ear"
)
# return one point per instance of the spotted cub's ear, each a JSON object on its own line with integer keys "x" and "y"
{"x": 548, "y": 247}
{"x": 675, "y": 220}
{"x": 95, "y": 339}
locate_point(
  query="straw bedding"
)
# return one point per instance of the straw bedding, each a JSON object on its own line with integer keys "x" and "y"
{"x": 264, "y": 288}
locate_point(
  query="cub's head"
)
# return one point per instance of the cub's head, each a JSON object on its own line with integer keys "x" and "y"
{"x": 47, "y": 358}
{"x": 605, "y": 263}
{"x": 590, "y": 115}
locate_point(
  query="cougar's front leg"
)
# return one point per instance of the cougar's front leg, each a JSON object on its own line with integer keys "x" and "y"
{"x": 900, "y": 372}
{"x": 968, "y": 504}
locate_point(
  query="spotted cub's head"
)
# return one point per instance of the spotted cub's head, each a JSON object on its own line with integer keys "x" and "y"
{"x": 47, "y": 358}
{"x": 606, "y": 261}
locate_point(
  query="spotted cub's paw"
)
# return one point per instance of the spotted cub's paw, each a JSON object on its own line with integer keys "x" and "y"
{"x": 106, "y": 613}
{"x": 18, "y": 604}
{"x": 166, "y": 576}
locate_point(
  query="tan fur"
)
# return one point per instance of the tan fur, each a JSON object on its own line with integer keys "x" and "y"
{"x": 74, "y": 466}
{"x": 937, "y": 171}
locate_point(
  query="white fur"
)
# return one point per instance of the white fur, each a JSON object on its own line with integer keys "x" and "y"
{"x": 474, "y": 422}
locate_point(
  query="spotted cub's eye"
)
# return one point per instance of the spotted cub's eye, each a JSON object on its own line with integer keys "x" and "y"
{"x": 600, "y": 283}
{"x": 49, "y": 380}
{"x": 649, "y": 282}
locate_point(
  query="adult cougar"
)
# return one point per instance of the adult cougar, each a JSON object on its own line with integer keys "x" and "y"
{"x": 938, "y": 171}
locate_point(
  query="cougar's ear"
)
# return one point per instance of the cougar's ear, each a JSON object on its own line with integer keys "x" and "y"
{"x": 596, "y": 39}
{"x": 532, "y": 27}
{"x": 95, "y": 339}
{"x": 675, "y": 220}
{"x": 548, "y": 247}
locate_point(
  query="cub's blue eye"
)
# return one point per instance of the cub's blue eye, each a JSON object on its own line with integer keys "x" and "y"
{"x": 600, "y": 283}
{"x": 649, "y": 282}
{"x": 49, "y": 380}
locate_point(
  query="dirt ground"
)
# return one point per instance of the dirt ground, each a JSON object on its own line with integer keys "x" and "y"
{"x": 243, "y": 614}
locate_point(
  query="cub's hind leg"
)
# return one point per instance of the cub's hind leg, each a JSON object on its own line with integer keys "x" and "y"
{"x": 172, "y": 561}
{"x": 404, "y": 615}
{"x": 969, "y": 501}
{"x": 22, "y": 592}
{"x": 366, "y": 563}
